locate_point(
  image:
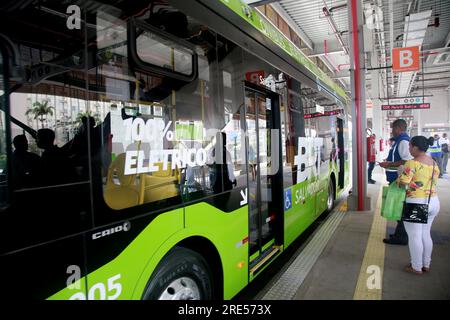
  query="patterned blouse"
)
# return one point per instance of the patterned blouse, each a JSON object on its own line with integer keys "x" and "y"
{"x": 417, "y": 176}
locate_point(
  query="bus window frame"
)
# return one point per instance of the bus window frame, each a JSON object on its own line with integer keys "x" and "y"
{"x": 135, "y": 61}
{"x": 5, "y": 72}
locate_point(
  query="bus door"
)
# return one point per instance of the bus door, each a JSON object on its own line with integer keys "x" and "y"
{"x": 341, "y": 152}
{"x": 265, "y": 189}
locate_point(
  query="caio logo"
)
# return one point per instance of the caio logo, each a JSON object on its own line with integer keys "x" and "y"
{"x": 405, "y": 59}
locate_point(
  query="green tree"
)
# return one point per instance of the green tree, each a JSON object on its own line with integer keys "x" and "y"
{"x": 40, "y": 111}
{"x": 88, "y": 113}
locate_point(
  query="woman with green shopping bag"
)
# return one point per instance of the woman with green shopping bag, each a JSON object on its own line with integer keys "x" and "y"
{"x": 420, "y": 177}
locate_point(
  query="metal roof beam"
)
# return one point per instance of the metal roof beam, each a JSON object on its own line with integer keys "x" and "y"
{"x": 294, "y": 26}
{"x": 257, "y": 3}
{"x": 341, "y": 75}
{"x": 317, "y": 54}
{"x": 447, "y": 40}
{"x": 333, "y": 47}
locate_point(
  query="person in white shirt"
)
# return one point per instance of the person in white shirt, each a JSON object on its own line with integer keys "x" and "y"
{"x": 397, "y": 157}
{"x": 403, "y": 150}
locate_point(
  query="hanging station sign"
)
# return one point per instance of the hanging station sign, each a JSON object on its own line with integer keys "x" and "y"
{"x": 409, "y": 100}
{"x": 405, "y": 59}
{"x": 393, "y": 118}
{"x": 440, "y": 129}
{"x": 405, "y": 106}
{"x": 324, "y": 114}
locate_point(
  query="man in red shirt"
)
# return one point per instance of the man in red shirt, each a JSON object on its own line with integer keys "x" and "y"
{"x": 371, "y": 156}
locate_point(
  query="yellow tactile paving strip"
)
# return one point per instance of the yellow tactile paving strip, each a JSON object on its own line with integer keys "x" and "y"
{"x": 369, "y": 285}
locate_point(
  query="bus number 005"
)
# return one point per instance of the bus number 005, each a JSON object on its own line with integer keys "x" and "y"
{"x": 99, "y": 289}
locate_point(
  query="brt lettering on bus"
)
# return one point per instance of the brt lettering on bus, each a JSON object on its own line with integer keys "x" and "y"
{"x": 307, "y": 157}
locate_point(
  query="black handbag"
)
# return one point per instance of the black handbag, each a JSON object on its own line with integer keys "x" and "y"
{"x": 415, "y": 212}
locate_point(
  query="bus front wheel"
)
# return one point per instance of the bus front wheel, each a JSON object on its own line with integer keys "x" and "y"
{"x": 183, "y": 274}
{"x": 330, "y": 199}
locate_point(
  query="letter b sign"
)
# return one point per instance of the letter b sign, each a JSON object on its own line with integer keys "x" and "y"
{"x": 405, "y": 59}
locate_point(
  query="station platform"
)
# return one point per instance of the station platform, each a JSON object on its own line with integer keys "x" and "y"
{"x": 345, "y": 258}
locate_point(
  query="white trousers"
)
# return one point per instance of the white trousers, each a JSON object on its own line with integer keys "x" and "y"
{"x": 419, "y": 237}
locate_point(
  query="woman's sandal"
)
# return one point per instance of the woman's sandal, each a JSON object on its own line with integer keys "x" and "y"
{"x": 425, "y": 269}
{"x": 410, "y": 269}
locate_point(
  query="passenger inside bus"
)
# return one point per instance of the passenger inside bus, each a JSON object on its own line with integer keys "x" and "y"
{"x": 25, "y": 164}
{"x": 77, "y": 148}
{"x": 55, "y": 167}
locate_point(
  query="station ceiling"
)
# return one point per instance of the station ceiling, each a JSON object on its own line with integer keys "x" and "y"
{"x": 323, "y": 27}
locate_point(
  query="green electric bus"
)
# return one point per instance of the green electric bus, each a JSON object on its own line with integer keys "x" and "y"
{"x": 157, "y": 149}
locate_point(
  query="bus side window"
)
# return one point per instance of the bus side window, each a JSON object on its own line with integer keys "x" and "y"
{"x": 48, "y": 124}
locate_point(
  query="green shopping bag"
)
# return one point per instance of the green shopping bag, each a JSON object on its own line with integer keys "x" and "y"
{"x": 393, "y": 198}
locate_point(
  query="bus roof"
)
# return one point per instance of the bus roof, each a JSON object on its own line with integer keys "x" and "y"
{"x": 270, "y": 31}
